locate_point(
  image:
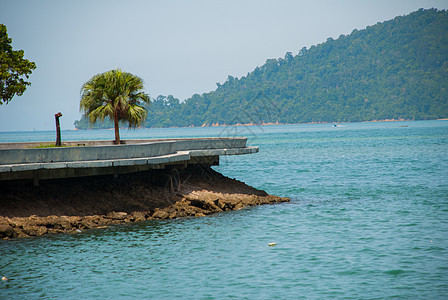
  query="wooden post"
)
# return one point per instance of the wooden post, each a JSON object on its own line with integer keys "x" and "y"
{"x": 58, "y": 129}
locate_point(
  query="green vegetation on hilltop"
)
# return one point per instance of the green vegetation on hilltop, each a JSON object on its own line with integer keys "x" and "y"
{"x": 397, "y": 69}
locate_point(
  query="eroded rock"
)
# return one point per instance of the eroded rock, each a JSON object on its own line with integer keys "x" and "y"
{"x": 7, "y": 231}
{"x": 203, "y": 192}
{"x": 117, "y": 215}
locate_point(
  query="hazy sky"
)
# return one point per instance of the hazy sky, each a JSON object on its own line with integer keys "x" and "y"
{"x": 179, "y": 48}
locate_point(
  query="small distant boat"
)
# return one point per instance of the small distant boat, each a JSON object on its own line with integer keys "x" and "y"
{"x": 336, "y": 125}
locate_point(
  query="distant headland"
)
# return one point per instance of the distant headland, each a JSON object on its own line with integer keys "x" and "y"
{"x": 394, "y": 70}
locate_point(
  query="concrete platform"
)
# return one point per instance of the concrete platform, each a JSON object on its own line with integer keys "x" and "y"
{"x": 89, "y": 158}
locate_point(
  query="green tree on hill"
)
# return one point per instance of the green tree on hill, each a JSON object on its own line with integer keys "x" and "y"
{"x": 13, "y": 69}
{"x": 115, "y": 94}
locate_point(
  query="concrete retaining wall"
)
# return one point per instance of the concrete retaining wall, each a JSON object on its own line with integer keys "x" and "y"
{"x": 235, "y": 141}
{"x": 64, "y": 162}
{"x": 68, "y": 154}
{"x": 132, "y": 149}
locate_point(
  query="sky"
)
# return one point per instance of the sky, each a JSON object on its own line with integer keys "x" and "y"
{"x": 178, "y": 48}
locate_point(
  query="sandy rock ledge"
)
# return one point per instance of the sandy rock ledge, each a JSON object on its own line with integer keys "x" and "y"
{"x": 131, "y": 199}
{"x": 197, "y": 204}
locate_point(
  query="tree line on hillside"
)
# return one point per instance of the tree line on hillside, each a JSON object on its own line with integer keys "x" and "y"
{"x": 396, "y": 69}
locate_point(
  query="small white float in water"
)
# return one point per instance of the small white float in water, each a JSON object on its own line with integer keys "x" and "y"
{"x": 272, "y": 244}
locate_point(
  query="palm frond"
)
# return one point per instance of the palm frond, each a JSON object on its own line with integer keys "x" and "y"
{"x": 135, "y": 115}
{"x": 101, "y": 113}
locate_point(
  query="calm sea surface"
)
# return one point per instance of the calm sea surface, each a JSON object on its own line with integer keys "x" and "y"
{"x": 368, "y": 220}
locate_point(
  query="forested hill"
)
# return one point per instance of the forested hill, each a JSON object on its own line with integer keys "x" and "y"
{"x": 397, "y": 69}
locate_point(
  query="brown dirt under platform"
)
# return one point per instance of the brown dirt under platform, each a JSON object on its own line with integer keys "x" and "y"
{"x": 74, "y": 204}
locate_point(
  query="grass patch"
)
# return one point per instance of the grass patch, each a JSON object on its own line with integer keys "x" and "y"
{"x": 47, "y": 146}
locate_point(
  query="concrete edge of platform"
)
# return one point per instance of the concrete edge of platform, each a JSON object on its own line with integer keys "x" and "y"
{"x": 100, "y": 167}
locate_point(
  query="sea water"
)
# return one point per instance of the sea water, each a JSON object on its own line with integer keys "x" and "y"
{"x": 368, "y": 219}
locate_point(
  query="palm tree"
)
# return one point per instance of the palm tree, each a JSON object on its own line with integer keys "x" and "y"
{"x": 115, "y": 94}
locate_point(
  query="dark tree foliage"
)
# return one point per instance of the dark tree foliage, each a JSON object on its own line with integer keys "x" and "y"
{"x": 397, "y": 69}
{"x": 13, "y": 69}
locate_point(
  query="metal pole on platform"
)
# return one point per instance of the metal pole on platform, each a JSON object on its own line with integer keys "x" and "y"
{"x": 58, "y": 129}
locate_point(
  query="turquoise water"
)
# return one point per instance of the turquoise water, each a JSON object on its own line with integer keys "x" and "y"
{"x": 368, "y": 219}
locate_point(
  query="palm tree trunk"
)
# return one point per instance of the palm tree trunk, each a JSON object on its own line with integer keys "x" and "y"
{"x": 117, "y": 130}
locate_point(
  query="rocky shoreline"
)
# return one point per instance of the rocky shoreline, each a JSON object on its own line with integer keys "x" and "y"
{"x": 78, "y": 204}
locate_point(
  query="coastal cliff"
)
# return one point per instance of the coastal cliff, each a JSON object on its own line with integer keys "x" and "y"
{"x": 75, "y": 204}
